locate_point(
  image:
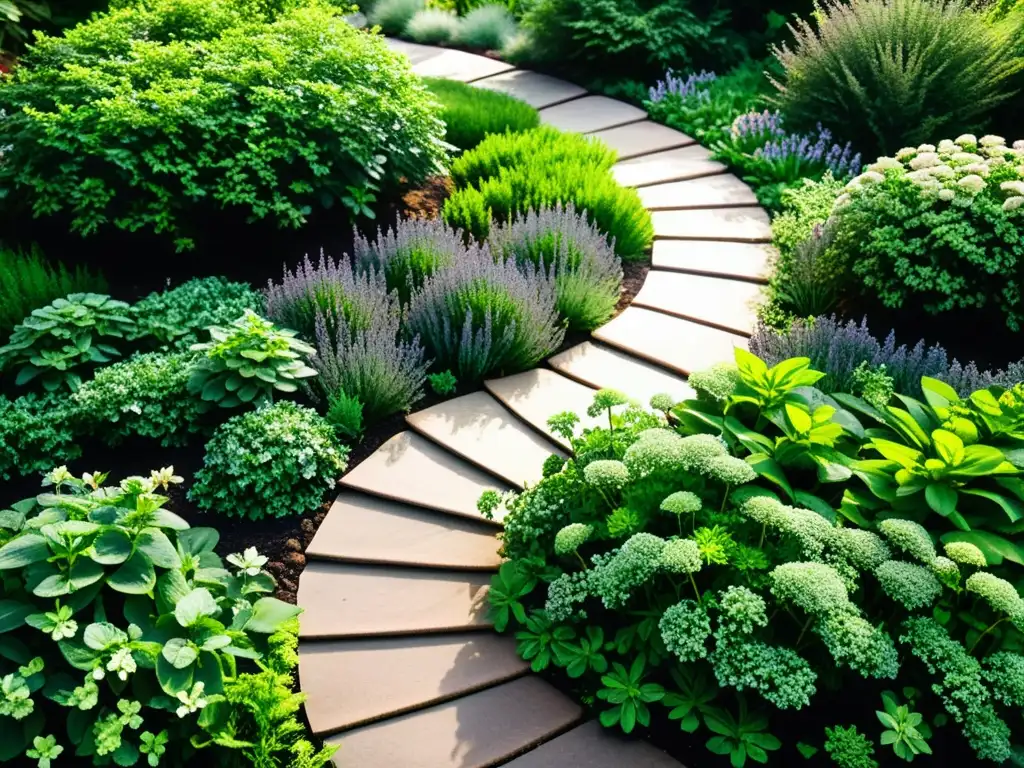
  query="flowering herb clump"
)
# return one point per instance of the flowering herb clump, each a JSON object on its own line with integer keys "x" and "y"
{"x": 689, "y": 87}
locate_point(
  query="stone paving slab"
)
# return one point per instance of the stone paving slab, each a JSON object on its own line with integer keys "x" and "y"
{"x": 721, "y": 191}
{"x": 591, "y": 746}
{"x": 745, "y": 261}
{"x": 591, "y": 113}
{"x": 411, "y": 468}
{"x": 674, "y": 165}
{"x": 642, "y": 139}
{"x": 477, "y": 428}
{"x": 479, "y": 730}
{"x": 353, "y": 682}
{"x": 601, "y": 366}
{"x": 677, "y": 344}
{"x": 537, "y": 395}
{"x": 727, "y": 304}
{"x": 737, "y": 225}
{"x": 456, "y": 65}
{"x": 342, "y": 600}
{"x": 535, "y": 89}
{"x": 414, "y": 51}
{"x": 362, "y": 528}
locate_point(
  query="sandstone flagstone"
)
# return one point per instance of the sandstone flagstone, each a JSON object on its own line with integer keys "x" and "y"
{"x": 642, "y": 138}
{"x": 743, "y": 261}
{"x": 589, "y": 114}
{"x": 537, "y": 395}
{"x": 672, "y": 165}
{"x": 741, "y": 225}
{"x": 721, "y": 191}
{"x": 604, "y": 367}
{"x": 535, "y": 89}
{"x": 717, "y": 301}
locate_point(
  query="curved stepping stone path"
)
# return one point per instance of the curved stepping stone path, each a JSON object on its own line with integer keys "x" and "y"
{"x": 397, "y": 655}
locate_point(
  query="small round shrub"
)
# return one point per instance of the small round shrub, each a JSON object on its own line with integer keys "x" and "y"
{"x": 941, "y": 66}
{"x": 272, "y": 462}
{"x": 392, "y": 16}
{"x": 573, "y": 253}
{"x": 36, "y": 432}
{"x": 137, "y": 122}
{"x": 489, "y": 27}
{"x": 471, "y": 113}
{"x": 432, "y": 26}
{"x": 146, "y": 395}
{"x": 939, "y": 227}
{"x": 177, "y": 315}
{"x": 480, "y": 317}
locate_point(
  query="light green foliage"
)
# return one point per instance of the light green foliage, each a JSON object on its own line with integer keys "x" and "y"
{"x": 854, "y": 642}
{"x": 1004, "y": 672}
{"x": 432, "y": 26}
{"x": 814, "y": 587}
{"x": 56, "y": 342}
{"x": 685, "y": 628}
{"x": 36, "y": 431}
{"x": 681, "y": 556}
{"x": 946, "y": 571}
{"x": 655, "y": 450}
{"x": 714, "y": 543}
{"x": 512, "y": 173}
{"x": 911, "y": 585}
{"x": 605, "y": 400}
{"x": 443, "y": 383}
{"x": 247, "y": 361}
{"x": 275, "y": 461}
{"x": 176, "y": 316}
{"x": 848, "y": 748}
{"x": 910, "y": 537}
{"x": 804, "y": 207}
{"x": 905, "y": 730}
{"x": 571, "y": 538}
{"x": 392, "y": 16}
{"x": 957, "y": 679}
{"x": 135, "y": 623}
{"x": 615, "y": 575}
{"x": 999, "y": 594}
{"x": 873, "y": 384}
{"x": 730, "y": 470}
{"x": 607, "y": 474}
{"x": 662, "y": 402}
{"x": 146, "y": 395}
{"x": 566, "y": 594}
{"x": 715, "y": 383}
{"x": 489, "y": 26}
{"x": 218, "y": 106}
{"x": 863, "y": 549}
{"x": 946, "y": 69}
{"x": 345, "y": 413}
{"x": 28, "y": 281}
{"x": 938, "y": 227}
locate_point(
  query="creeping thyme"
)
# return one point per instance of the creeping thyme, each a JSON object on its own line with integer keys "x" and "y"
{"x": 911, "y": 585}
{"x": 910, "y": 537}
{"x": 965, "y": 553}
{"x": 685, "y": 628}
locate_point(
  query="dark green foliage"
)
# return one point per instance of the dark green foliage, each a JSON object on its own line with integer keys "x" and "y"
{"x": 36, "y": 432}
{"x": 470, "y": 114}
{"x": 276, "y": 461}
{"x": 146, "y": 395}
{"x": 177, "y": 315}
{"x": 346, "y": 414}
{"x": 509, "y": 175}
{"x": 443, "y": 383}
{"x": 217, "y": 107}
{"x": 942, "y": 70}
{"x": 848, "y": 748}
{"x": 28, "y": 281}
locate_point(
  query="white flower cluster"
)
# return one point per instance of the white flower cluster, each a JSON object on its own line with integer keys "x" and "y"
{"x": 956, "y": 171}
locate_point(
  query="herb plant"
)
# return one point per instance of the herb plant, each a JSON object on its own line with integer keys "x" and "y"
{"x": 177, "y": 315}
{"x": 471, "y": 113}
{"x": 35, "y": 431}
{"x": 443, "y": 383}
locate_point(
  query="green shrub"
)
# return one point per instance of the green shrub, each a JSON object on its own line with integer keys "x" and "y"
{"x": 942, "y": 69}
{"x": 247, "y": 361}
{"x": 489, "y": 27}
{"x": 35, "y": 432}
{"x": 177, "y": 315}
{"x": 28, "y": 282}
{"x": 656, "y": 566}
{"x": 470, "y": 114}
{"x": 173, "y": 108}
{"x": 69, "y": 334}
{"x": 276, "y": 461}
{"x": 392, "y": 16}
{"x": 121, "y": 623}
{"x": 432, "y": 26}
{"x": 146, "y": 395}
{"x": 514, "y": 173}
{"x": 940, "y": 228}
{"x": 632, "y": 38}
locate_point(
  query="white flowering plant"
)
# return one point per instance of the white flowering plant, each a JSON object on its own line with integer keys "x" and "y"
{"x": 939, "y": 226}
{"x": 666, "y": 535}
{"x": 121, "y": 630}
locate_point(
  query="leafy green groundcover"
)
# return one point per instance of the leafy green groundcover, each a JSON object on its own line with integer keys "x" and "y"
{"x": 770, "y": 539}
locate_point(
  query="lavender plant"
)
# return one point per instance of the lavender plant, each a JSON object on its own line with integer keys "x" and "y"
{"x": 561, "y": 244}
{"x": 481, "y": 316}
{"x": 837, "y": 348}
{"x": 409, "y": 253}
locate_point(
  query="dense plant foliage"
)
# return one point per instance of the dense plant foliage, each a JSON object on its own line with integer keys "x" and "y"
{"x": 942, "y": 68}
{"x": 660, "y": 568}
{"x": 572, "y": 253}
{"x": 392, "y": 16}
{"x": 28, "y": 282}
{"x": 432, "y": 26}
{"x": 275, "y": 461}
{"x": 470, "y": 113}
{"x": 146, "y": 116}
{"x": 514, "y": 173}
{"x": 35, "y": 431}
{"x": 122, "y": 630}
{"x": 177, "y": 315}
{"x": 55, "y": 343}
{"x": 489, "y": 26}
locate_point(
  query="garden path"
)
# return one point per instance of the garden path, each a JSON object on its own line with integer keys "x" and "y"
{"x": 397, "y": 656}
